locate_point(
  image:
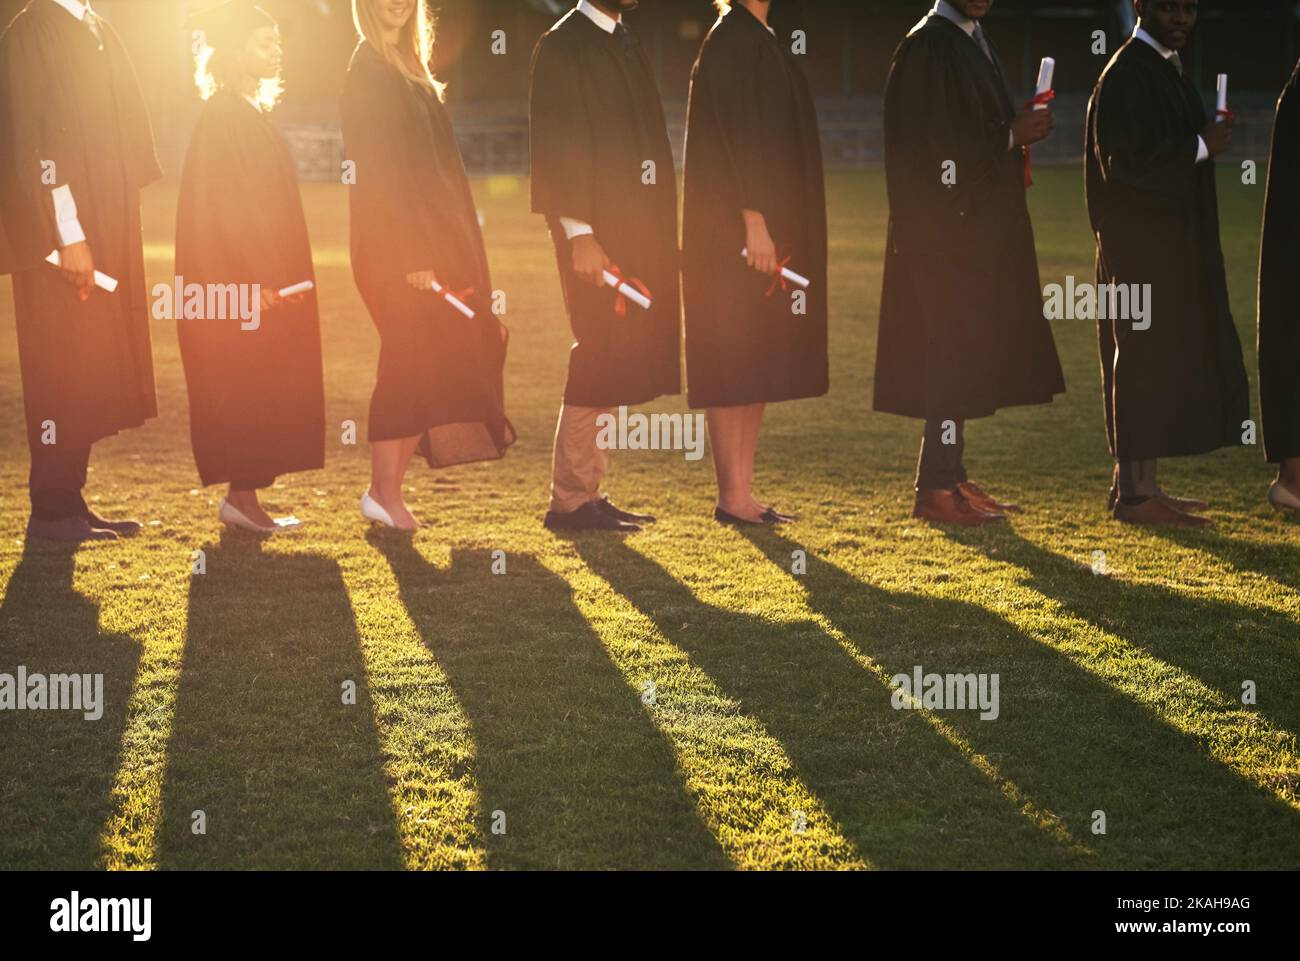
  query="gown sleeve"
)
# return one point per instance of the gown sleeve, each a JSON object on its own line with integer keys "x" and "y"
{"x": 562, "y": 141}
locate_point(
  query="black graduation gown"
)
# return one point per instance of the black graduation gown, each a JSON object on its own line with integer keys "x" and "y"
{"x": 440, "y": 374}
{"x": 66, "y": 98}
{"x": 1179, "y": 387}
{"x": 1279, "y": 286}
{"x": 752, "y": 143}
{"x": 962, "y": 332}
{"x": 595, "y": 119}
{"x": 257, "y": 397}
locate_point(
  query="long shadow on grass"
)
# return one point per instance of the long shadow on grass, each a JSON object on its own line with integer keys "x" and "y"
{"x": 287, "y": 774}
{"x": 58, "y": 767}
{"x": 900, "y": 792}
{"x": 1081, "y": 744}
{"x": 565, "y": 750}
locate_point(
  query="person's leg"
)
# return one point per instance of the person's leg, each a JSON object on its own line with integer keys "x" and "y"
{"x": 242, "y": 496}
{"x": 728, "y": 436}
{"x": 578, "y": 462}
{"x": 58, "y": 474}
{"x": 940, "y": 464}
{"x": 388, "y": 462}
{"x": 753, "y": 426}
{"x": 1137, "y": 481}
{"x": 1288, "y": 474}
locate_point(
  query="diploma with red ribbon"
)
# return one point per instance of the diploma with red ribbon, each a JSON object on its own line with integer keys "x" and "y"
{"x": 1043, "y": 95}
{"x": 102, "y": 280}
{"x": 628, "y": 289}
{"x": 454, "y": 297}
{"x": 784, "y": 277}
{"x": 299, "y": 288}
{"x": 1221, "y": 111}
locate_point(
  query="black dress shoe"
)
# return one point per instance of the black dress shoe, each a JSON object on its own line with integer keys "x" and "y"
{"x": 69, "y": 530}
{"x": 607, "y": 505}
{"x": 767, "y": 518}
{"x": 588, "y": 517}
{"x": 779, "y": 517}
{"x": 120, "y": 528}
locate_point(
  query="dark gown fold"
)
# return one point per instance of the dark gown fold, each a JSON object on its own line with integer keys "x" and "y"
{"x": 440, "y": 374}
{"x": 257, "y": 400}
{"x": 752, "y": 143}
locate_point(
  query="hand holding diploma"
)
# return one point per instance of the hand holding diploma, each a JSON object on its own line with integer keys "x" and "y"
{"x": 785, "y": 276}
{"x": 1218, "y": 132}
{"x": 427, "y": 280}
{"x": 78, "y": 267}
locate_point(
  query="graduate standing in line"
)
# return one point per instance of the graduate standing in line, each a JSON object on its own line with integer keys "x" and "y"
{"x": 257, "y": 397}
{"x": 75, "y": 150}
{"x": 962, "y": 332}
{"x": 754, "y": 182}
{"x": 603, "y": 176}
{"x": 414, "y": 225}
{"x": 1279, "y": 304}
{"x": 1174, "y": 383}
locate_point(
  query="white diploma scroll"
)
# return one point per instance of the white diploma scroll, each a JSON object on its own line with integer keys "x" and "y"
{"x": 452, "y": 299}
{"x": 102, "y": 280}
{"x": 292, "y": 289}
{"x": 628, "y": 291}
{"x": 799, "y": 280}
{"x": 1221, "y": 105}
{"x": 1046, "y": 73}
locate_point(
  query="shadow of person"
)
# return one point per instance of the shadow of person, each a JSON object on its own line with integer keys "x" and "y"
{"x": 1221, "y": 643}
{"x": 901, "y": 793}
{"x": 563, "y": 747}
{"x": 266, "y": 743}
{"x": 1070, "y": 741}
{"x": 59, "y": 767}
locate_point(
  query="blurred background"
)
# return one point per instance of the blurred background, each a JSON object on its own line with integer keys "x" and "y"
{"x": 851, "y": 41}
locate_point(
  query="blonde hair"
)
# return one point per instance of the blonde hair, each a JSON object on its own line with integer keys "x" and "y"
{"x": 414, "y": 45}
{"x": 219, "y": 70}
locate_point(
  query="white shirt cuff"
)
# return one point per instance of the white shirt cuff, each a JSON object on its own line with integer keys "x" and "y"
{"x": 1202, "y": 151}
{"x": 575, "y": 228}
{"x": 65, "y": 215}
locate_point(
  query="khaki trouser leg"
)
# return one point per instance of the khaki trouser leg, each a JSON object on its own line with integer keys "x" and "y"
{"x": 578, "y": 465}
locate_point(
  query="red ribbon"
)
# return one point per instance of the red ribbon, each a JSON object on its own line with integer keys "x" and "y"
{"x": 620, "y": 302}
{"x": 1040, "y": 99}
{"x": 779, "y": 279}
{"x": 1226, "y": 114}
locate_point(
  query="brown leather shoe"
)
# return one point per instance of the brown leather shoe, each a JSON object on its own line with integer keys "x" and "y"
{"x": 984, "y": 501}
{"x": 1154, "y": 512}
{"x": 952, "y": 507}
{"x": 69, "y": 530}
{"x": 1185, "y": 504}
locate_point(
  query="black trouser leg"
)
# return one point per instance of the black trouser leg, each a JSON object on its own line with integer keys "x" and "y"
{"x": 1137, "y": 480}
{"x": 941, "y": 464}
{"x": 57, "y": 477}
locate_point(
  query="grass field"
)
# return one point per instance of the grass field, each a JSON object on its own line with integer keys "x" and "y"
{"x": 678, "y": 698}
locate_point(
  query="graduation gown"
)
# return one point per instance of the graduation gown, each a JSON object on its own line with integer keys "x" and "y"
{"x": 752, "y": 143}
{"x": 595, "y": 119}
{"x": 440, "y": 374}
{"x": 1279, "y": 286}
{"x": 1179, "y": 387}
{"x": 67, "y": 98}
{"x": 257, "y": 397}
{"x": 962, "y": 332}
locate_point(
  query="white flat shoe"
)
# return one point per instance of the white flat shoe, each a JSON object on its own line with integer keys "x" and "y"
{"x": 372, "y": 510}
{"x": 1281, "y": 497}
{"x": 232, "y": 517}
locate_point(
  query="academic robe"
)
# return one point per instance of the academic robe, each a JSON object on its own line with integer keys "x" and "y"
{"x": 257, "y": 397}
{"x": 595, "y": 121}
{"x": 69, "y": 99}
{"x": 1279, "y": 286}
{"x": 440, "y": 374}
{"x": 752, "y": 143}
{"x": 1179, "y": 387}
{"x": 962, "y": 332}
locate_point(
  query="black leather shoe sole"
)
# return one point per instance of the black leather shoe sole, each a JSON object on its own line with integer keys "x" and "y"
{"x": 68, "y": 530}
{"x": 586, "y": 520}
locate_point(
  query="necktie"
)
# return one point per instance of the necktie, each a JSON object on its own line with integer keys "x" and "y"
{"x": 92, "y": 22}
{"x": 625, "y": 37}
{"x": 984, "y": 44}
{"x": 1177, "y": 61}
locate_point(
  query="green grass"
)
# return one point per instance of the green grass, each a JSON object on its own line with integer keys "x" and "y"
{"x": 523, "y": 693}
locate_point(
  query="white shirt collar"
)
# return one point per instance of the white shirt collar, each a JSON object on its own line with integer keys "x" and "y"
{"x": 1155, "y": 44}
{"x": 949, "y": 12}
{"x": 75, "y": 7}
{"x": 599, "y": 17}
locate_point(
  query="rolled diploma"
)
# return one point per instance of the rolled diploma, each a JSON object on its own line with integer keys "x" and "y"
{"x": 797, "y": 279}
{"x": 292, "y": 289}
{"x": 1222, "y": 87}
{"x": 628, "y": 291}
{"x": 1046, "y": 71}
{"x": 453, "y": 300}
{"x": 101, "y": 280}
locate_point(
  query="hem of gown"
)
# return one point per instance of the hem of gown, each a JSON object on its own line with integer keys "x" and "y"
{"x": 1193, "y": 450}
{"x": 223, "y": 476}
{"x": 695, "y": 403}
{"x": 509, "y": 438}
{"x": 977, "y": 414}
{"x": 634, "y": 400}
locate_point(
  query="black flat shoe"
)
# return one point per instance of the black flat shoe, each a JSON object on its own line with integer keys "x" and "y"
{"x": 120, "y": 528}
{"x": 607, "y": 505}
{"x": 722, "y": 517}
{"x": 779, "y": 518}
{"x": 588, "y": 517}
{"x": 69, "y": 530}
